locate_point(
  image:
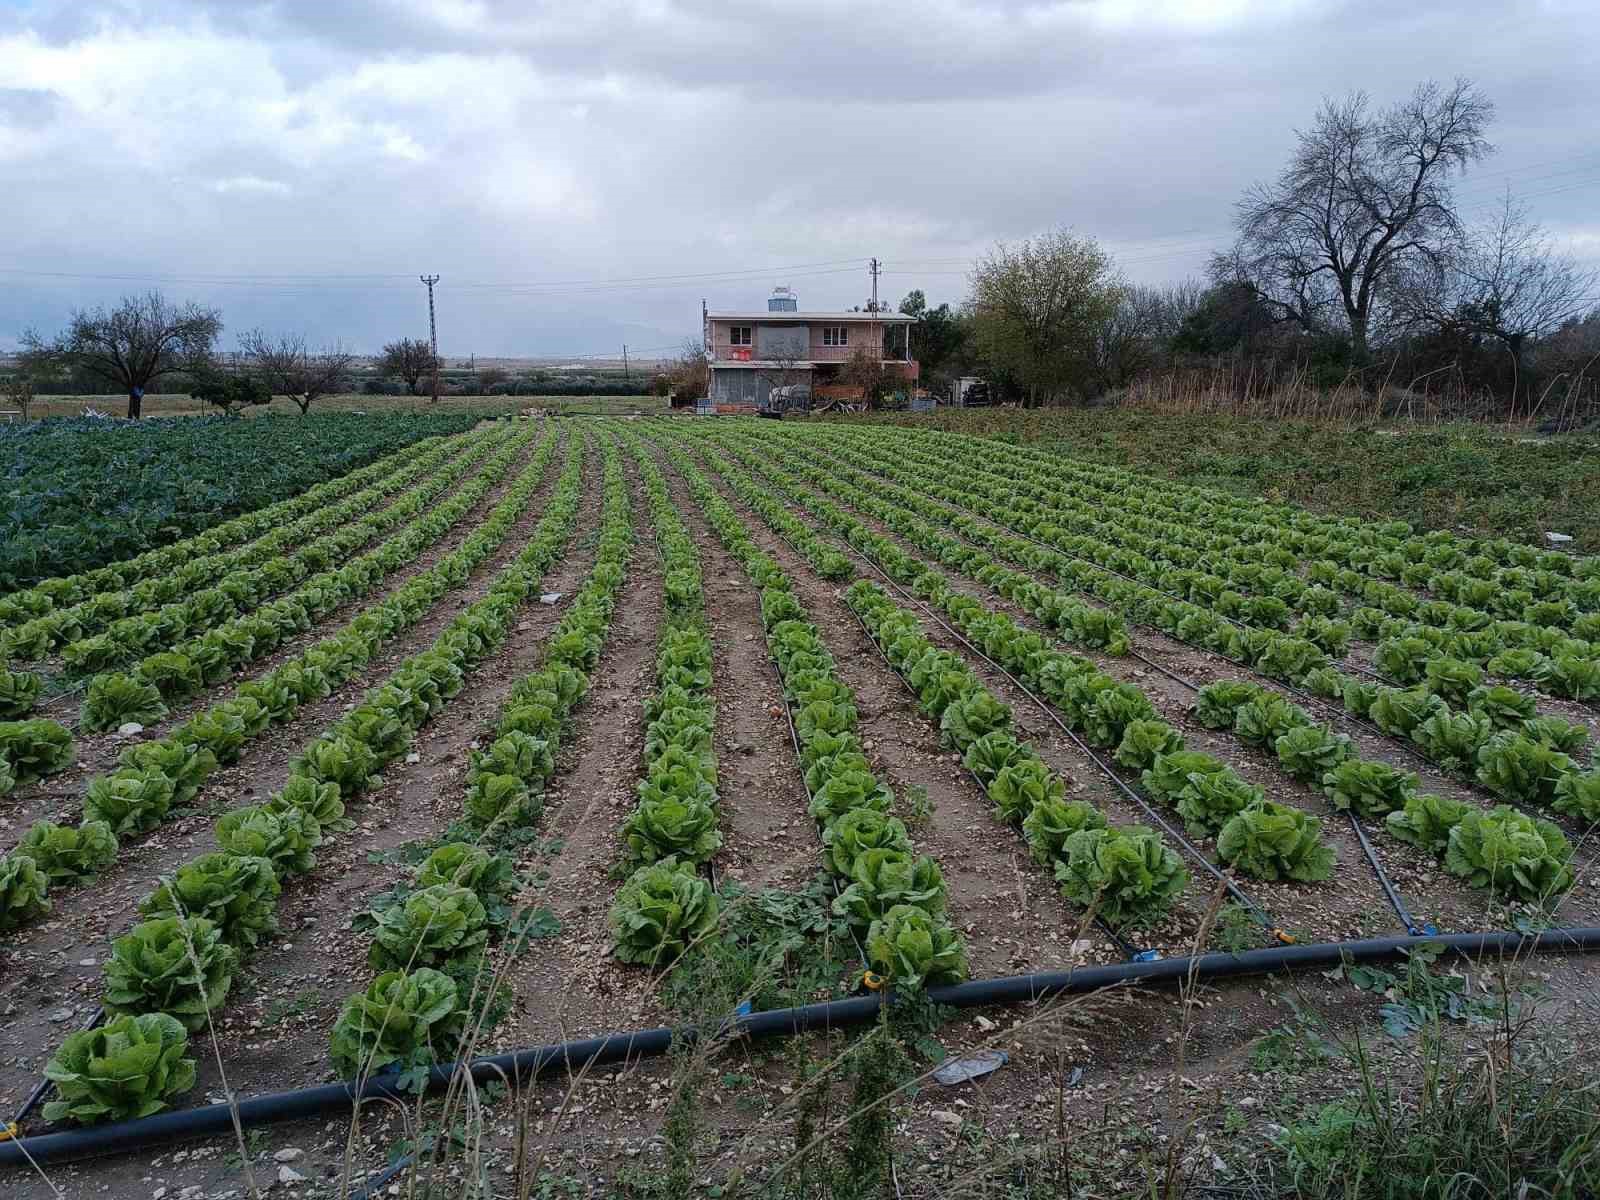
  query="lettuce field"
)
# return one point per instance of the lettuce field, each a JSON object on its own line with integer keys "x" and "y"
{"x": 497, "y": 737}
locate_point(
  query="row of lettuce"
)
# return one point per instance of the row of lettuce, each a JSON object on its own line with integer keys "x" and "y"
{"x": 442, "y": 943}
{"x": 187, "y": 645}
{"x": 1518, "y": 855}
{"x": 893, "y": 898}
{"x": 1531, "y": 649}
{"x": 155, "y": 775}
{"x": 169, "y": 975}
{"x": 1495, "y": 736}
{"x": 1495, "y": 575}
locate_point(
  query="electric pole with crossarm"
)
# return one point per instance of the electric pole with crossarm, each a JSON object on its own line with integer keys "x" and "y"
{"x": 433, "y": 334}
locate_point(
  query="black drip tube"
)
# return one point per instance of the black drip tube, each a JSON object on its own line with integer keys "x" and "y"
{"x": 523, "y": 1066}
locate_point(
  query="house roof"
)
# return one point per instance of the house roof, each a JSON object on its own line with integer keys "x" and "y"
{"x": 801, "y": 318}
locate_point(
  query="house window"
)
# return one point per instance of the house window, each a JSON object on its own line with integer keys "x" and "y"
{"x": 739, "y": 335}
{"x": 834, "y": 335}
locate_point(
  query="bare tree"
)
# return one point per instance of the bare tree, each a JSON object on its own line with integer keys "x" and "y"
{"x": 18, "y": 390}
{"x": 290, "y": 369}
{"x": 1365, "y": 195}
{"x": 1037, "y": 308}
{"x": 491, "y": 377}
{"x": 1139, "y": 330}
{"x": 133, "y": 345}
{"x": 1503, "y": 281}
{"x": 410, "y": 359}
{"x": 864, "y": 370}
{"x": 784, "y": 377}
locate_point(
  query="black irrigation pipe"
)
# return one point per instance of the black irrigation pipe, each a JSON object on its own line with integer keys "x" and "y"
{"x": 521, "y": 1067}
{"x": 42, "y": 1088}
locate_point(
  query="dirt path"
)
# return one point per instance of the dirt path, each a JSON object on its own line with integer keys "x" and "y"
{"x": 572, "y": 986}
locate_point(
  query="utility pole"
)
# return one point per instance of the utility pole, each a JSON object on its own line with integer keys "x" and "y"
{"x": 625, "y": 374}
{"x": 874, "y": 268}
{"x": 433, "y": 333}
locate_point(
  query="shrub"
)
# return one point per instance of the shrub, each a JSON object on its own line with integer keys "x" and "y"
{"x": 177, "y": 965}
{"x": 402, "y": 1020}
{"x": 69, "y": 853}
{"x": 660, "y": 910}
{"x": 911, "y": 948}
{"x": 1126, "y": 873}
{"x": 129, "y": 1067}
{"x": 1273, "y": 841}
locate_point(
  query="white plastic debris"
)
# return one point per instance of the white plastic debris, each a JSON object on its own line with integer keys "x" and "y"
{"x": 962, "y": 1069}
{"x": 1557, "y": 539}
{"x": 550, "y": 597}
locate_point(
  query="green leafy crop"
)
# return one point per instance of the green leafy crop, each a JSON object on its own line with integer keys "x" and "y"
{"x": 69, "y": 853}
{"x": 24, "y": 890}
{"x": 1126, "y": 873}
{"x": 1514, "y": 854}
{"x": 1273, "y": 841}
{"x": 236, "y": 893}
{"x": 129, "y": 1067}
{"x": 911, "y": 948}
{"x": 401, "y": 1020}
{"x": 178, "y": 965}
{"x": 1426, "y": 821}
{"x": 660, "y": 910}
{"x": 1370, "y": 789}
{"x": 443, "y": 926}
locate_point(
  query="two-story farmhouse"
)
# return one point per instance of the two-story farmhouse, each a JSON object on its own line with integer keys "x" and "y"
{"x": 782, "y": 357}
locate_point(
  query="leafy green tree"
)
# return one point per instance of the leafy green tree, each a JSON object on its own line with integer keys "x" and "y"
{"x": 1038, "y": 307}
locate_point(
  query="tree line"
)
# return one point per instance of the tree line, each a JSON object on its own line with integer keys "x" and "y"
{"x": 1353, "y": 266}
{"x": 149, "y": 339}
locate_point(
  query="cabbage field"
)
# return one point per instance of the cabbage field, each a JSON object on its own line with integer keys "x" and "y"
{"x": 556, "y": 728}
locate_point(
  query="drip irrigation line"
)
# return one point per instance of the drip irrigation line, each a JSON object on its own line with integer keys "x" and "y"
{"x": 1406, "y": 920}
{"x": 42, "y": 1088}
{"x": 523, "y": 1067}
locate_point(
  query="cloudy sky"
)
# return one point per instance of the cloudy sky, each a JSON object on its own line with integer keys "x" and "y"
{"x": 582, "y": 173}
